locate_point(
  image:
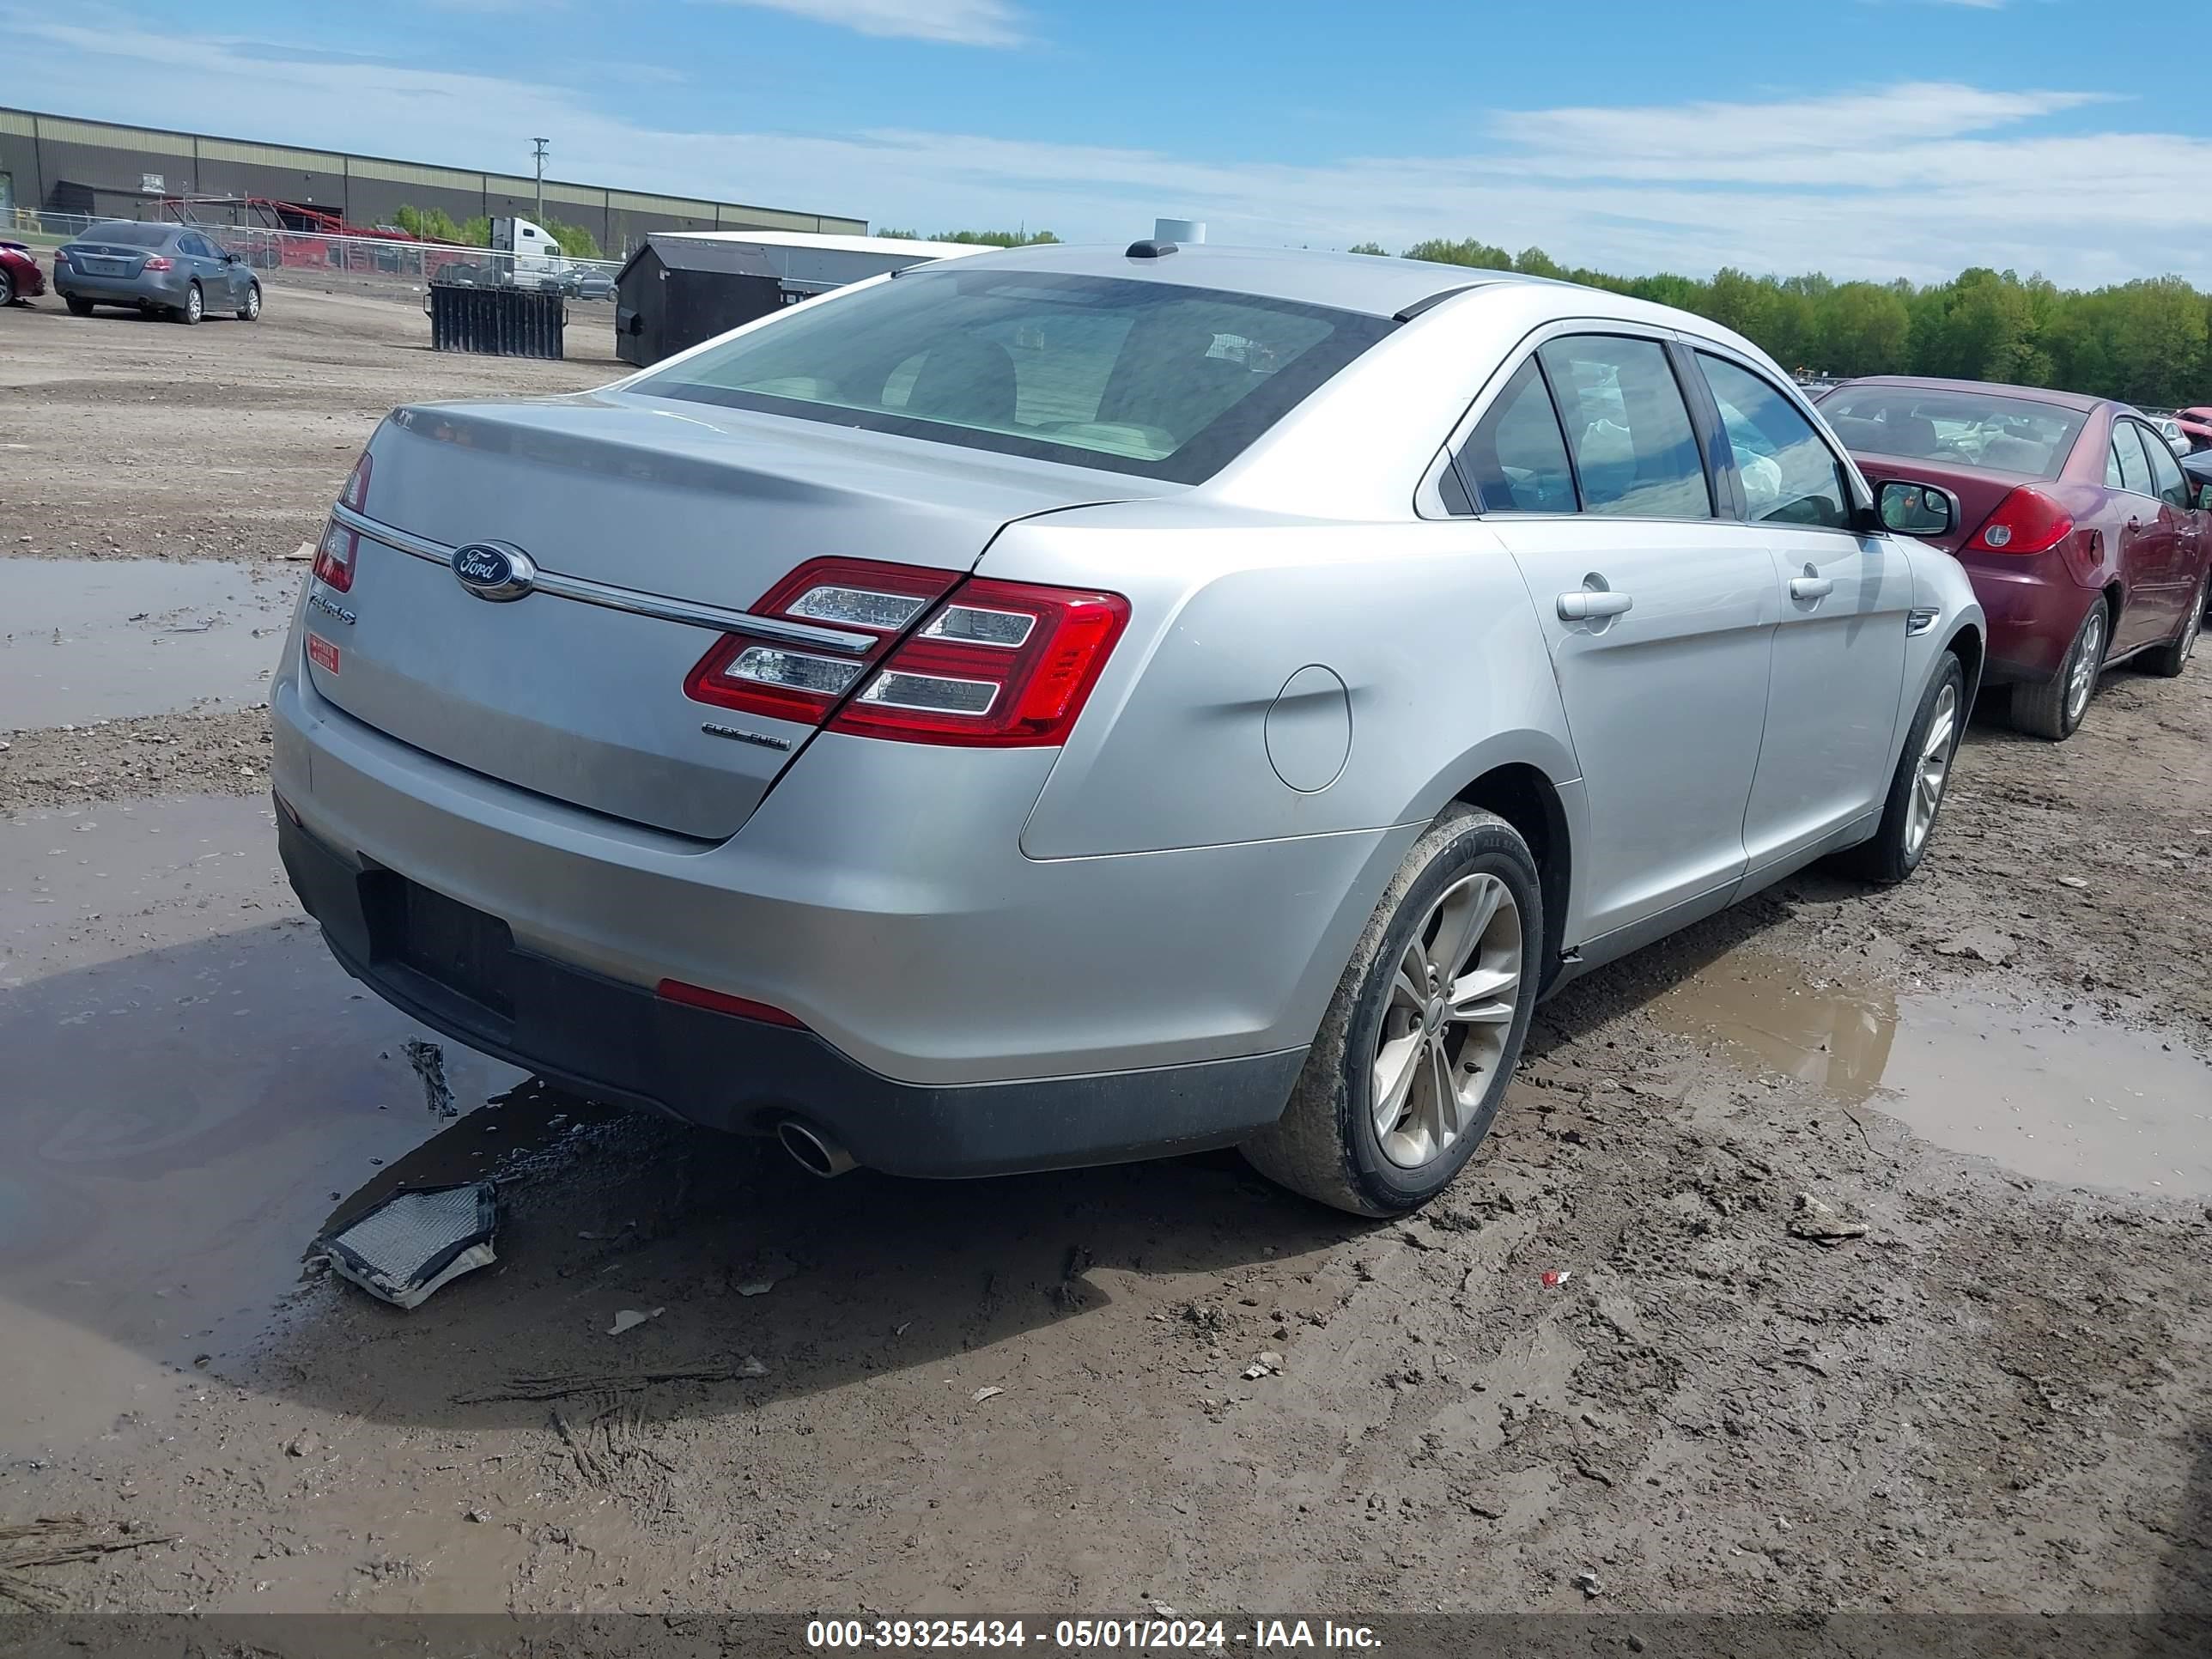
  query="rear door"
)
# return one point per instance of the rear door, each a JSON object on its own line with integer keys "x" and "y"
{"x": 2154, "y": 557}
{"x": 1659, "y": 615}
{"x": 1844, "y": 596}
{"x": 199, "y": 257}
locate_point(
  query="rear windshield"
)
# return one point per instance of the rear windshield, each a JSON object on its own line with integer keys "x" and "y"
{"x": 126, "y": 233}
{"x": 2005, "y": 434}
{"x": 1135, "y": 377}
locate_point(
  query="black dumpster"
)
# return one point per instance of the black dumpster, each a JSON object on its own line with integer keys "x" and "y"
{"x": 499, "y": 322}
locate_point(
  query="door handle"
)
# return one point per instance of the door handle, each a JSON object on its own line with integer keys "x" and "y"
{"x": 1811, "y": 588}
{"x": 1585, "y": 604}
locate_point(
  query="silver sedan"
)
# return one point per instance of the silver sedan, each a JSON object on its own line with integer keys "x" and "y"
{"x": 1082, "y": 704}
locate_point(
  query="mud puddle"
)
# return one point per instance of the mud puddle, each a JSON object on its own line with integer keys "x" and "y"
{"x": 180, "y": 1119}
{"x": 2056, "y": 1095}
{"x": 84, "y": 639}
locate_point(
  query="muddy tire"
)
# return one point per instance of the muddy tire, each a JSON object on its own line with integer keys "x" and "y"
{"x": 78, "y": 306}
{"x": 1422, "y": 1035}
{"x": 2170, "y": 658}
{"x": 194, "y": 307}
{"x": 1918, "y": 786}
{"x": 2054, "y": 708}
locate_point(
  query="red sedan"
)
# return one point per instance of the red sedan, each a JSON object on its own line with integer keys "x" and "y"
{"x": 2075, "y": 524}
{"x": 19, "y": 275}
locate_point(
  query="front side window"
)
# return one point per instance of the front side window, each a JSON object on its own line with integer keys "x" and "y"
{"x": 1515, "y": 460}
{"x": 1139, "y": 377}
{"x": 1635, "y": 451}
{"x": 1789, "y": 475}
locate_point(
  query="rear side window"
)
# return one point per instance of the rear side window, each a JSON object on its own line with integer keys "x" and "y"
{"x": 1635, "y": 451}
{"x": 1148, "y": 378}
{"x": 2114, "y": 478}
{"x": 1789, "y": 475}
{"x": 1515, "y": 460}
{"x": 2134, "y": 466}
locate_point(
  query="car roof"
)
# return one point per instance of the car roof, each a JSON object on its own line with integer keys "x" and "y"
{"x": 1377, "y": 284}
{"x": 2035, "y": 394}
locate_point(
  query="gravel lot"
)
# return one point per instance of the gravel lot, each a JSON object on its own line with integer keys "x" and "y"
{"x": 1994, "y": 1398}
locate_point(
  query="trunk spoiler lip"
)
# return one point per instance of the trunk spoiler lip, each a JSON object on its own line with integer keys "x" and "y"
{"x": 717, "y": 618}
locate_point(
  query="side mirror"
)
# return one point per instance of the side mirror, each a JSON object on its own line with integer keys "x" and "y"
{"x": 1916, "y": 509}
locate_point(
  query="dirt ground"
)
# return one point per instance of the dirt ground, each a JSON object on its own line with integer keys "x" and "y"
{"x": 1987, "y": 1389}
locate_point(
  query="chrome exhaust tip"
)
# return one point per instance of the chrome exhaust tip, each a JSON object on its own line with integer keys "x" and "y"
{"x": 813, "y": 1152}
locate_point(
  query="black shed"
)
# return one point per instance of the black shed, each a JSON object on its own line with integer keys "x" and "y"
{"x": 681, "y": 287}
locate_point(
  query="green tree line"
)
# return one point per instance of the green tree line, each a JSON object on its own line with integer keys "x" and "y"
{"x": 2148, "y": 342}
{"x": 436, "y": 225}
{"x": 979, "y": 238}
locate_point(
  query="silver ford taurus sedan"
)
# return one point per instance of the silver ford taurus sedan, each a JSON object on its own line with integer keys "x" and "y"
{"x": 1077, "y": 704}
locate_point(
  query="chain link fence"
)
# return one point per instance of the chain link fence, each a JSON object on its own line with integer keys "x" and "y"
{"x": 395, "y": 268}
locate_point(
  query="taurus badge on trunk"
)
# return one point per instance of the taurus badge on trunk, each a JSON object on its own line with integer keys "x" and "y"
{"x": 494, "y": 570}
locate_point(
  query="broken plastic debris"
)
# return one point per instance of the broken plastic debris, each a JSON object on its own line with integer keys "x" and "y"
{"x": 982, "y": 1394}
{"x": 630, "y": 1319}
{"x": 1557, "y": 1277}
{"x": 415, "y": 1242}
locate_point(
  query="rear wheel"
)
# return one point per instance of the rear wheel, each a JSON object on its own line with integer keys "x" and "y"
{"x": 2054, "y": 708}
{"x": 194, "y": 307}
{"x": 1422, "y": 1035}
{"x": 78, "y": 305}
{"x": 1916, "y": 790}
{"x": 2170, "y": 658}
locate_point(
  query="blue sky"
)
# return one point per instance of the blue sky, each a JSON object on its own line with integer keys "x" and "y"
{"x": 1863, "y": 138}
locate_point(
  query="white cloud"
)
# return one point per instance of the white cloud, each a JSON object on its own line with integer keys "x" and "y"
{"x": 1916, "y": 180}
{"x": 962, "y": 22}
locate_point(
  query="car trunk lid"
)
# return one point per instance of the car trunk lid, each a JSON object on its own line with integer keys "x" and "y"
{"x": 108, "y": 259}
{"x": 666, "y": 509}
{"x": 1979, "y": 490}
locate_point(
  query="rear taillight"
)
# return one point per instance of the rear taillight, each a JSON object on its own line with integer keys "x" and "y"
{"x": 756, "y": 675}
{"x": 1000, "y": 665}
{"x": 157, "y": 262}
{"x": 2025, "y": 522}
{"x": 335, "y": 555}
{"x": 995, "y": 665}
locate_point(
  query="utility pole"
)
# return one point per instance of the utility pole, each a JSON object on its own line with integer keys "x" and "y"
{"x": 540, "y": 144}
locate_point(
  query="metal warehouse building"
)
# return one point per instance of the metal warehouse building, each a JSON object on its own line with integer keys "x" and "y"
{"x": 55, "y": 164}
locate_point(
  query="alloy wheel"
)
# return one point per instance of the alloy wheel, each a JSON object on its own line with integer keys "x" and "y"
{"x": 1933, "y": 771}
{"x": 2088, "y": 659}
{"x": 1444, "y": 1030}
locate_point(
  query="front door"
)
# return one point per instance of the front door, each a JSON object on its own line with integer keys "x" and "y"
{"x": 1828, "y": 751}
{"x": 1659, "y": 616}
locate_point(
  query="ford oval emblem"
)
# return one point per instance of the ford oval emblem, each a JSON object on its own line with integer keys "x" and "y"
{"x": 493, "y": 570}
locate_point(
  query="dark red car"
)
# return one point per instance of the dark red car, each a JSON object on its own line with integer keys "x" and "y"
{"x": 19, "y": 275}
{"x": 2075, "y": 524}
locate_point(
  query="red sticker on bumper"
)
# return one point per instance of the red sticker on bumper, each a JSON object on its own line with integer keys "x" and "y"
{"x": 322, "y": 653}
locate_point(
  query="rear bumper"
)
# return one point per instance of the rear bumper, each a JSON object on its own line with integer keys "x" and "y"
{"x": 2034, "y": 608}
{"x": 612, "y": 1040}
{"x": 966, "y": 1009}
{"x": 161, "y": 289}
